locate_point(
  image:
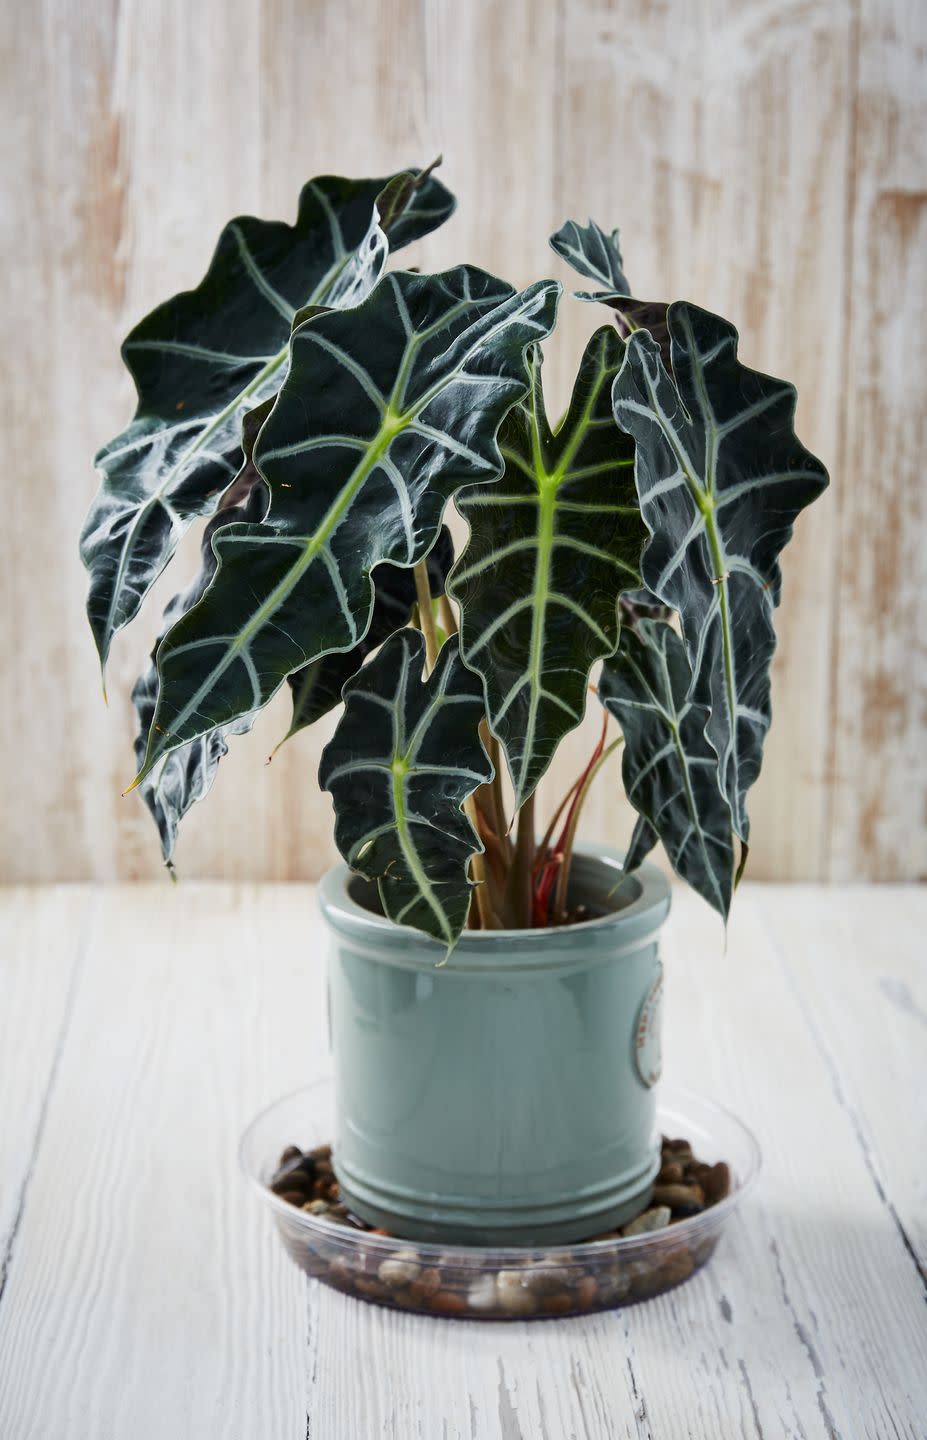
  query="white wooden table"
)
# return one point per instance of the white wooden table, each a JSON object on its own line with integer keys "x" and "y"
{"x": 144, "y": 1294}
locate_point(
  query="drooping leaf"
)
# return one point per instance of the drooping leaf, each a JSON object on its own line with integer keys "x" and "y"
{"x": 405, "y": 757}
{"x": 721, "y": 477}
{"x": 596, "y": 255}
{"x": 204, "y": 358}
{"x": 551, "y": 548}
{"x": 388, "y": 408}
{"x": 593, "y": 253}
{"x": 186, "y": 775}
{"x": 669, "y": 769}
{"x": 317, "y": 688}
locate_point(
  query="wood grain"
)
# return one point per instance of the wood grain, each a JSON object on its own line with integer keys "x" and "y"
{"x": 147, "y": 1295}
{"x": 764, "y": 157}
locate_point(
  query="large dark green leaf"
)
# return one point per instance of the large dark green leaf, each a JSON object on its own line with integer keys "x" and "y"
{"x": 388, "y": 408}
{"x": 317, "y": 688}
{"x": 669, "y": 769}
{"x": 187, "y": 774}
{"x": 207, "y": 356}
{"x": 721, "y": 477}
{"x": 551, "y": 548}
{"x": 405, "y": 757}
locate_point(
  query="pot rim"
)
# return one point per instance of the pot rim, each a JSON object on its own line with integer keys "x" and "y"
{"x": 634, "y": 923}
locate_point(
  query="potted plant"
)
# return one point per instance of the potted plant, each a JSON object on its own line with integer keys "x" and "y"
{"x": 494, "y": 992}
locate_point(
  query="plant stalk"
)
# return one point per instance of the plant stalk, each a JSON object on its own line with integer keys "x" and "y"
{"x": 484, "y": 910}
{"x": 426, "y": 617}
{"x": 518, "y": 889}
{"x": 448, "y": 618}
{"x": 563, "y": 877}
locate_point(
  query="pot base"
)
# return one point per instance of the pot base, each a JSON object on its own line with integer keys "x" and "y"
{"x": 571, "y": 1218}
{"x": 503, "y": 1283}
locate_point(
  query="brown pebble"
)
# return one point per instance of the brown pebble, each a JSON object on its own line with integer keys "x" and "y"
{"x": 670, "y": 1174}
{"x": 447, "y": 1302}
{"x": 294, "y": 1197}
{"x": 656, "y": 1219}
{"x": 586, "y": 1291}
{"x": 718, "y": 1182}
{"x": 681, "y": 1199}
{"x": 292, "y": 1152}
{"x": 290, "y": 1180}
{"x": 559, "y": 1304}
{"x": 320, "y": 1152}
{"x": 427, "y": 1284}
{"x": 678, "y": 1148}
{"x": 676, "y": 1266}
{"x": 374, "y": 1289}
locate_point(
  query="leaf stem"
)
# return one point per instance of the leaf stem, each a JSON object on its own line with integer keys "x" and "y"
{"x": 569, "y": 836}
{"x": 426, "y": 615}
{"x": 480, "y": 895}
{"x": 518, "y": 890}
{"x": 448, "y": 618}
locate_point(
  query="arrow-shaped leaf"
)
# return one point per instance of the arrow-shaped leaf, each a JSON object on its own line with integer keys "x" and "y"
{"x": 187, "y": 774}
{"x": 551, "y": 548}
{"x": 388, "y": 408}
{"x": 669, "y": 769}
{"x": 405, "y": 757}
{"x": 204, "y": 358}
{"x": 592, "y": 252}
{"x": 721, "y": 477}
{"x": 317, "y": 688}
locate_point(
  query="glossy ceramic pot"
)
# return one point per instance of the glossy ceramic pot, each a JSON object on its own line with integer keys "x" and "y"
{"x": 505, "y": 1095}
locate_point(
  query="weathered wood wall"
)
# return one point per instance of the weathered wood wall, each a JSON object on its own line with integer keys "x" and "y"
{"x": 765, "y": 158}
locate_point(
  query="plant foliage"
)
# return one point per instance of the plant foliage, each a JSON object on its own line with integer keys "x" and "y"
{"x": 319, "y": 411}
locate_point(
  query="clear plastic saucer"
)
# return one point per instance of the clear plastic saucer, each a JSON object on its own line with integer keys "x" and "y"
{"x": 511, "y": 1283}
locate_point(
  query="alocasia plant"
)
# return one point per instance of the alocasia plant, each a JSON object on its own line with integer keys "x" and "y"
{"x": 321, "y": 412}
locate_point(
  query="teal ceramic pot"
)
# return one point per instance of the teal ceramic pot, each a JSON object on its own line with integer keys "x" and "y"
{"x": 505, "y": 1096}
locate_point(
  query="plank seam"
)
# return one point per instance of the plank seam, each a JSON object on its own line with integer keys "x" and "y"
{"x": 77, "y": 970}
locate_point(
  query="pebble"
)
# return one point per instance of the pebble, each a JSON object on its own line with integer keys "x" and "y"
{"x": 586, "y": 1291}
{"x": 542, "y": 1279}
{"x": 448, "y": 1302}
{"x": 560, "y": 1282}
{"x": 514, "y": 1292}
{"x": 681, "y": 1199}
{"x": 401, "y": 1269}
{"x": 718, "y": 1182}
{"x": 656, "y": 1219}
{"x": 482, "y": 1294}
{"x": 560, "y": 1304}
{"x": 428, "y": 1283}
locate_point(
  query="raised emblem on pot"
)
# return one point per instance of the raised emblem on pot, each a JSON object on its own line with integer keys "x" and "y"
{"x": 647, "y": 1052}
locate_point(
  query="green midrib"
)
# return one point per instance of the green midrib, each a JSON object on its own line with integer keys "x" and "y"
{"x": 548, "y": 486}
{"x": 704, "y": 500}
{"x": 400, "y": 769}
{"x": 284, "y": 587}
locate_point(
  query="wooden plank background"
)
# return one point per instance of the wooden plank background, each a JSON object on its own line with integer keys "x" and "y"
{"x": 765, "y": 158}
